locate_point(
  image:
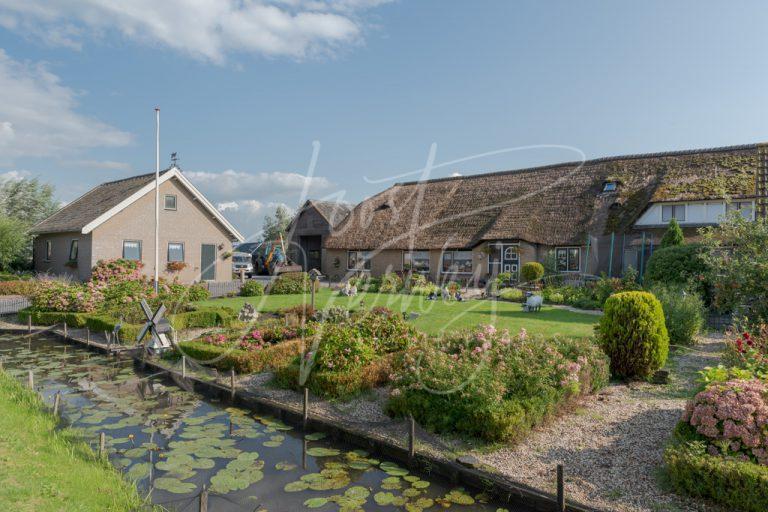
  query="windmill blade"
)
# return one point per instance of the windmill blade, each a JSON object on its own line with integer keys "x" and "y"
{"x": 147, "y": 310}
{"x": 158, "y": 314}
{"x": 143, "y": 332}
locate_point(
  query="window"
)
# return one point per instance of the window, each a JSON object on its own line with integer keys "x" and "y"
{"x": 609, "y": 186}
{"x": 457, "y": 262}
{"x": 417, "y": 261}
{"x": 73, "y": 250}
{"x": 175, "y": 251}
{"x": 358, "y": 260}
{"x": 48, "y": 250}
{"x": 568, "y": 259}
{"x": 673, "y": 211}
{"x": 132, "y": 249}
{"x": 745, "y": 207}
{"x": 170, "y": 202}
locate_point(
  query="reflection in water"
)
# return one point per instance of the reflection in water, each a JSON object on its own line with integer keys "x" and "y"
{"x": 172, "y": 443}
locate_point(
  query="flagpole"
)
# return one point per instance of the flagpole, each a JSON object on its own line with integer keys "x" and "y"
{"x": 157, "y": 199}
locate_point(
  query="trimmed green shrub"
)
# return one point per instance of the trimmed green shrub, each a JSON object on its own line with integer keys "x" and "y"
{"x": 532, "y": 271}
{"x": 513, "y": 294}
{"x": 736, "y": 484}
{"x": 633, "y": 334}
{"x": 243, "y": 361}
{"x": 678, "y": 264}
{"x": 76, "y": 320}
{"x": 102, "y": 323}
{"x": 291, "y": 283}
{"x": 426, "y": 289}
{"x": 390, "y": 283}
{"x": 673, "y": 236}
{"x": 198, "y": 292}
{"x": 203, "y": 317}
{"x": 684, "y": 313}
{"x": 252, "y": 288}
{"x": 504, "y": 279}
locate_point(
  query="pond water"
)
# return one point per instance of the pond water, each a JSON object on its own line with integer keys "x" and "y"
{"x": 172, "y": 442}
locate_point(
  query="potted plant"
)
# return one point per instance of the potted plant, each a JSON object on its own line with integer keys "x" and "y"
{"x": 175, "y": 266}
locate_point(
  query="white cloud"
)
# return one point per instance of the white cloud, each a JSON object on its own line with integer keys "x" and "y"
{"x": 110, "y": 165}
{"x": 38, "y": 117}
{"x": 14, "y": 175}
{"x": 233, "y": 185}
{"x": 248, "y": 214}
{"x": 207, "y": 29}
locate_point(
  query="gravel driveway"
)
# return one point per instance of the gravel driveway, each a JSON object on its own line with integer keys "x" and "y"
{"x": 612, "y": 443}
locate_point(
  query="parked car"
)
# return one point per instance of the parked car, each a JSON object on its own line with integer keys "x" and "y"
{"x": 242, "y": 261}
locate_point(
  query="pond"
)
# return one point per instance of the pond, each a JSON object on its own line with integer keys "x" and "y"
{"x": 172, "y": 442}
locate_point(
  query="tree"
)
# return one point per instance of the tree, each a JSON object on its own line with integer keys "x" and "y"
{"x": 14, "y": 241}
{"x": 23, "y": 203}
{"x": 738, "y": 264}
{"x": 673, "y": 236}
{"x": 277, "y": 225}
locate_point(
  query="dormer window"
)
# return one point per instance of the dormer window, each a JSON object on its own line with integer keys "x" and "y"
{"x": 610, "y": 186}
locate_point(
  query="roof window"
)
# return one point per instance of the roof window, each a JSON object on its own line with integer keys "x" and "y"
{"x": 610, "y": 186}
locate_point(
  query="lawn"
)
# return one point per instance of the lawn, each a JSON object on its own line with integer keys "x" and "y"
{"x": 436, "y": 316}
{"x": 45, "y": 469}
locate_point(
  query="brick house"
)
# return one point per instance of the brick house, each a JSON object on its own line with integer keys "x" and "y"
{"x": 590, "y": 217}
{"x": 117, "y": 219}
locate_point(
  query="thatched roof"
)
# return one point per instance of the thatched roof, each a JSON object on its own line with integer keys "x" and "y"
{"x": 553, "y": 205}
{"x": 332, "y": 211}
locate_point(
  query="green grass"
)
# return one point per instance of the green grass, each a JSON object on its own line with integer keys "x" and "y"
{"x": 44, "y": 469}
{"x": 436, "y": 316}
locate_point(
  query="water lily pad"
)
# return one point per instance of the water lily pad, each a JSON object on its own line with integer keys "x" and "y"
{"x": 285, "y": 466}
{"x": 297, "y": 486}
{"x": 174, "y": 485}
{"x": 319, "y": 451}
{"x": 138, "y": 471}
{"x": 315, "y": 502}
{"x": 315, "y": 436}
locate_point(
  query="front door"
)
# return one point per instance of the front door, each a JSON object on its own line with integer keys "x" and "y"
{"x": 311, "y": 246}
{"x": 504, "y": 258}
{"x": 208, "y": 262}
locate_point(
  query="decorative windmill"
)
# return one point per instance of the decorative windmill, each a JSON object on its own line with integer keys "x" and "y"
{"x": 157, "y": 327}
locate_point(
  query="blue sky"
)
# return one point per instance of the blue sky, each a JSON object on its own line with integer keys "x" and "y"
{"x": 246, "y": 87}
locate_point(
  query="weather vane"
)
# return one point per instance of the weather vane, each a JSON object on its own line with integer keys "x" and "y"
{"x": 174, "y": 158}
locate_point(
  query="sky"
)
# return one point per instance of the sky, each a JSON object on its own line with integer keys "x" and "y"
{"x": 274, "y": 101}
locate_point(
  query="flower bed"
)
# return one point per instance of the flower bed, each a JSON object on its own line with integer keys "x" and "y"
{"x": 488, "y": 384}
{"x": 350, "y": 356}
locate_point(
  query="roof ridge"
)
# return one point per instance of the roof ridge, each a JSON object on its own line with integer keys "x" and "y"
{"x": 129, "y": 178}
{"x": 636, "y": 156}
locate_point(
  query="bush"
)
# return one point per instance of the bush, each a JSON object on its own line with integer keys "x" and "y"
{"x": 504, "y": 279}
{"x": 77, "y": 320}
{"x": 415, "y": 280}
{"x": 198, "y": 292}
{"x": 488, "y": 384}
{"x": 633, "y": 334}
{"x": 17, "y": 287}
{"x": 252, "y": 288}
{"x": 291, "y": 283}
{"x": 300, "y": 311}
{"x": 201, "y": 318}
{"x": 532, "y": 271}
{"x": 735, "y": 484}
{"x": 425, "y": 290}
{"x": 683, "y": 313}
{"x": 225, "y": 358}
{"x": 679, "y": 264}
{"x": 52, "y": 295}
{"x": 390, "y": 283}
{"x": 556, "y": 298}
{"x": 513, "y": 294}
{"x": 101, "y": 323}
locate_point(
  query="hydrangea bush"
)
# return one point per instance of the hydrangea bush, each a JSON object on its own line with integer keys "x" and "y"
{"x": 733, "y": 417}
{"x": 492, "y": 384}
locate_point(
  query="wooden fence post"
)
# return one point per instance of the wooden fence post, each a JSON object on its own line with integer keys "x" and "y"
{"x": 87, "y": 336}
{"x": 65, "y": 330}
{"x": 232, "y": 383}
{"x": 560, "y": 489}
{"x": 102, "y": 444}
{"x": 29, "y": 324}
{"x": 183, "y": 367}
{"x": 204, "y": 500}
{"x": 31, "y": 379}
{"x": 411, "y": 437}
{"x": 56, "y": 403}
{"x": 305, "y": 412}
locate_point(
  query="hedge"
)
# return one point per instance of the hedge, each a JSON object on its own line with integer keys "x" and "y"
{"x": 105, "y": 323}
{"x": 737, "y": 485}
{"x": 243, "y": 361}
{"x": 204, "y": 317}
{"x": 338, "y": 385}
{"x": 76, "y": 320}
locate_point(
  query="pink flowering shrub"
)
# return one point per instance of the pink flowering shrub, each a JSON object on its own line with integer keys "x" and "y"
{"x": 116, "y": 270}
{"x": 493, "y": 384}
{"x": 52, "y": 295}
{"x": 218, "y": 340}
{"x": 733, "y": 417}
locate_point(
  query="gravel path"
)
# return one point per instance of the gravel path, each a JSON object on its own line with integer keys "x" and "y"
{"x": 612, "y": 443}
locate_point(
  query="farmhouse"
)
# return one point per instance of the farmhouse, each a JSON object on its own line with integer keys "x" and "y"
{"x": 117, "y": 219}
{"x": 601, "y": 215}
{"x": 309, "y": 228}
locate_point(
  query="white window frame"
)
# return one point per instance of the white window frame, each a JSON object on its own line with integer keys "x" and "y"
{"x": 175, "y": 202}
{"x": 48, "y": 250}
{"x": 74, "y": 244}
{"x": 366, "y": 255}
{"x": 673, "y": 215}
{"x": 741, "y": 206}
{"x": 453, "y": 253}
{"x": 567, "y": 250}
{"x": 140, "y": 249}
{"x": 410, "y": 265}
{"x": 183, "y": 255}
{"x": 610, "y": 186}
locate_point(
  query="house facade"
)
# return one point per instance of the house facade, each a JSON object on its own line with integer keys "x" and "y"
{"x": 308, "y": 230}
{"x": 117, "y": 219}
{"x": 592, "y": 217}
